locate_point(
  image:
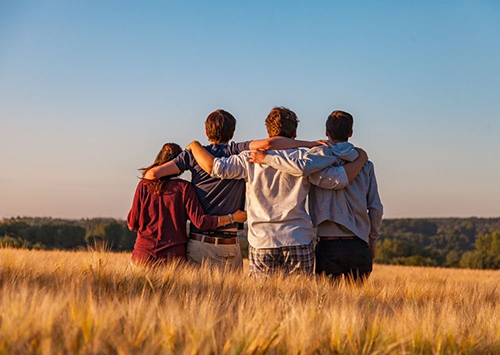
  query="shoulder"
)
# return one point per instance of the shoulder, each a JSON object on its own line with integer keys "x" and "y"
{"x": 183, "y": 160}
{"x": 320, "y": 150}
{"x": 368, "y": 168}
{"x": 180, "y": 182}
{"x": 180, "y": 186}
{"x": 237, "y": 148}
{"x": 291, "y": 153}
{"x": 244, "y": 155}
{"x": 142, "y": 184}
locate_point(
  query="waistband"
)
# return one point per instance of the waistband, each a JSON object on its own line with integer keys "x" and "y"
{"x": 214, "y": 240}
{"x": 338, "y": 238}
{"x": 217, "y": 234}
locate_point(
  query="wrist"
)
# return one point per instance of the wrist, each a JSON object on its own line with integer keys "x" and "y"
{"x": 231, "y": 219}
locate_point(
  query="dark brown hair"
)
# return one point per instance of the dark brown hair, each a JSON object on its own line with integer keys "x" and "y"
{"x": 168, "y": 152}
{"x": 282, "y": 122}
{"x": 220, "y": 126}
{"x": 339, "y": 125}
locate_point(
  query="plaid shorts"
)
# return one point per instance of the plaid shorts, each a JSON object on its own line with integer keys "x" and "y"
{"x": 292, "y": 259}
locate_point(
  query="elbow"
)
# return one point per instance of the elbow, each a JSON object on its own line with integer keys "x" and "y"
{"x": 207, "y": 223}
{"x": 208, "y": 169}
{"x": 267, "y": 146}
{"x": 151, "y": 175}
{"x": 132, "y": 227}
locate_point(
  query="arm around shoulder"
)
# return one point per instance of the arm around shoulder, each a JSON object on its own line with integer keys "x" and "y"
{"x": 278, "y": 143}
{"x": 167, "y": 169}
{"x": 232, "y": 167}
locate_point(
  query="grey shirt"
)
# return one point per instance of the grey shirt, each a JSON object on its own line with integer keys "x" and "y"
{"x": 276, "y": 210}
{"x": 357, "y": 207}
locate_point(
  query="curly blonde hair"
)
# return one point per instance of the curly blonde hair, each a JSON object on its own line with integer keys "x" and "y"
{"x": 283, "y": 122}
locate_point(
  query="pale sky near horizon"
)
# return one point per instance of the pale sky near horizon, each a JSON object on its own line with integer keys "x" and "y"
{"x": 90, "y": 90}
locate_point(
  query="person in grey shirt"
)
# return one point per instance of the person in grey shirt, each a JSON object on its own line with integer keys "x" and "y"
{"x": 280, "y": 232}
{"x": 348, "y": 220}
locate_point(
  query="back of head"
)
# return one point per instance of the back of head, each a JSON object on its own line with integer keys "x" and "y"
{"x": 283, "y": 122}
{"x": 339, "y": 125}
{"x": 220, "y": 126}
{"x": 167, "y": 153}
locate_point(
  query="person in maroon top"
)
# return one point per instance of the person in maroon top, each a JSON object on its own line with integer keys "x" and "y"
{"x": 160, "y": 211}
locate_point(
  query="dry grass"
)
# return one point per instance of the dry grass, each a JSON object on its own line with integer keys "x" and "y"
{"x": 94, "y": 302}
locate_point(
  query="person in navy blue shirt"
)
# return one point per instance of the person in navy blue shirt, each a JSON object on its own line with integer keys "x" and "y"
{"x": 160, "y": 211}
{"x": 219, "y": 197}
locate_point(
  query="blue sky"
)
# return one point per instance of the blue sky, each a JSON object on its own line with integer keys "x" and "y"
{"x": 90, "y": 90}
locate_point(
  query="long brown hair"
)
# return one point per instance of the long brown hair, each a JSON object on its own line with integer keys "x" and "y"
{"x": 168, "y": 152}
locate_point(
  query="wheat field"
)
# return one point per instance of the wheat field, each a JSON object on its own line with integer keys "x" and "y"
{"x": 94, "y": 302}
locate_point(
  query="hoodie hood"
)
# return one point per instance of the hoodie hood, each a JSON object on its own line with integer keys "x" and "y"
{"x": 344, "y": 151}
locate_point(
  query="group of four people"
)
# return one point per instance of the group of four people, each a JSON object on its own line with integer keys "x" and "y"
{"x": 274, "y": 176}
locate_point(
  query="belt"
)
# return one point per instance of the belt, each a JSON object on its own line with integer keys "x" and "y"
{"x": 338, "y": 238}
{"x": 213, "y": 240}
{"x": 217, "y": 233}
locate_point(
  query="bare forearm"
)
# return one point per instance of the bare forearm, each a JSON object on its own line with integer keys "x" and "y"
{"x": 237, "y": 217}
{"x": 352, "y": 169}
{"x": 169, "y": 168}
{"x": 277, "y": 143}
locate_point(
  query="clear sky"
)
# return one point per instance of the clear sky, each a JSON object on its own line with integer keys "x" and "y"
{"x": 90, "y": 90}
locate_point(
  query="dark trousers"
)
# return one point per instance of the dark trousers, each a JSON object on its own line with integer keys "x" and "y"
{"x": 348, "y": 257}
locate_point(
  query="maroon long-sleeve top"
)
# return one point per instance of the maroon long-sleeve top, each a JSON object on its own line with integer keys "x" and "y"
{"x": 160, "y": 220}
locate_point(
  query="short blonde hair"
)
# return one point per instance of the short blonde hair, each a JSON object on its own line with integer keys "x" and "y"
{"x": 283, "y": 122}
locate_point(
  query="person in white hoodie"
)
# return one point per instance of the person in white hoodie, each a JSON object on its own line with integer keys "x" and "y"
{"x": 348, "y": 220}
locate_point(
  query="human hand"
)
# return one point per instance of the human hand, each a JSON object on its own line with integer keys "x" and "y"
{"x": 193, "y": 143}
{"x": 240, "y": 216}
{"x": 373, "y": 251}
{"x": 323, "y": 142}
{"x": 258, "y": 156}
{"x": 362, "y": 154}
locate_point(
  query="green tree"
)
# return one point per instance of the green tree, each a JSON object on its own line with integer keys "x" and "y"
{"x": 486, "y": 255}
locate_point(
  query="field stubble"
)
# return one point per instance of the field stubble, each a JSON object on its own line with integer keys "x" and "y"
{"x": 95, "y": 302}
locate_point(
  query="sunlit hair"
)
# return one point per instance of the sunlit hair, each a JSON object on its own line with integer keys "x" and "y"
{"x": 168, "y": 152}
{"x": 220, "y": 126}
{"x": 283, "y": 122}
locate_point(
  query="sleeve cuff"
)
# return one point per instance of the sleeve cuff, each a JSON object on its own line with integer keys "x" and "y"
{"x": 216, "y": 169}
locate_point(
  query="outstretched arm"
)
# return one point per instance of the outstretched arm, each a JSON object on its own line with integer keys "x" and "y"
{"x": 204, "y": 221}
{"x": 169, "y": 168}
{"x": 232, "y": 167}
{"x": 331, "y": 177}
{"x": 203, "y": 157}
{"x": 277, "y": 143}
{"x": 299, "y": 164}
{"x": 338, "y": 177}
{"x": 353, "y": 169}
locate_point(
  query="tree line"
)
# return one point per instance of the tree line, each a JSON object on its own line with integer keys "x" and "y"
{"x": 446, "y": 242}
{"x": 48, "y": 233}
